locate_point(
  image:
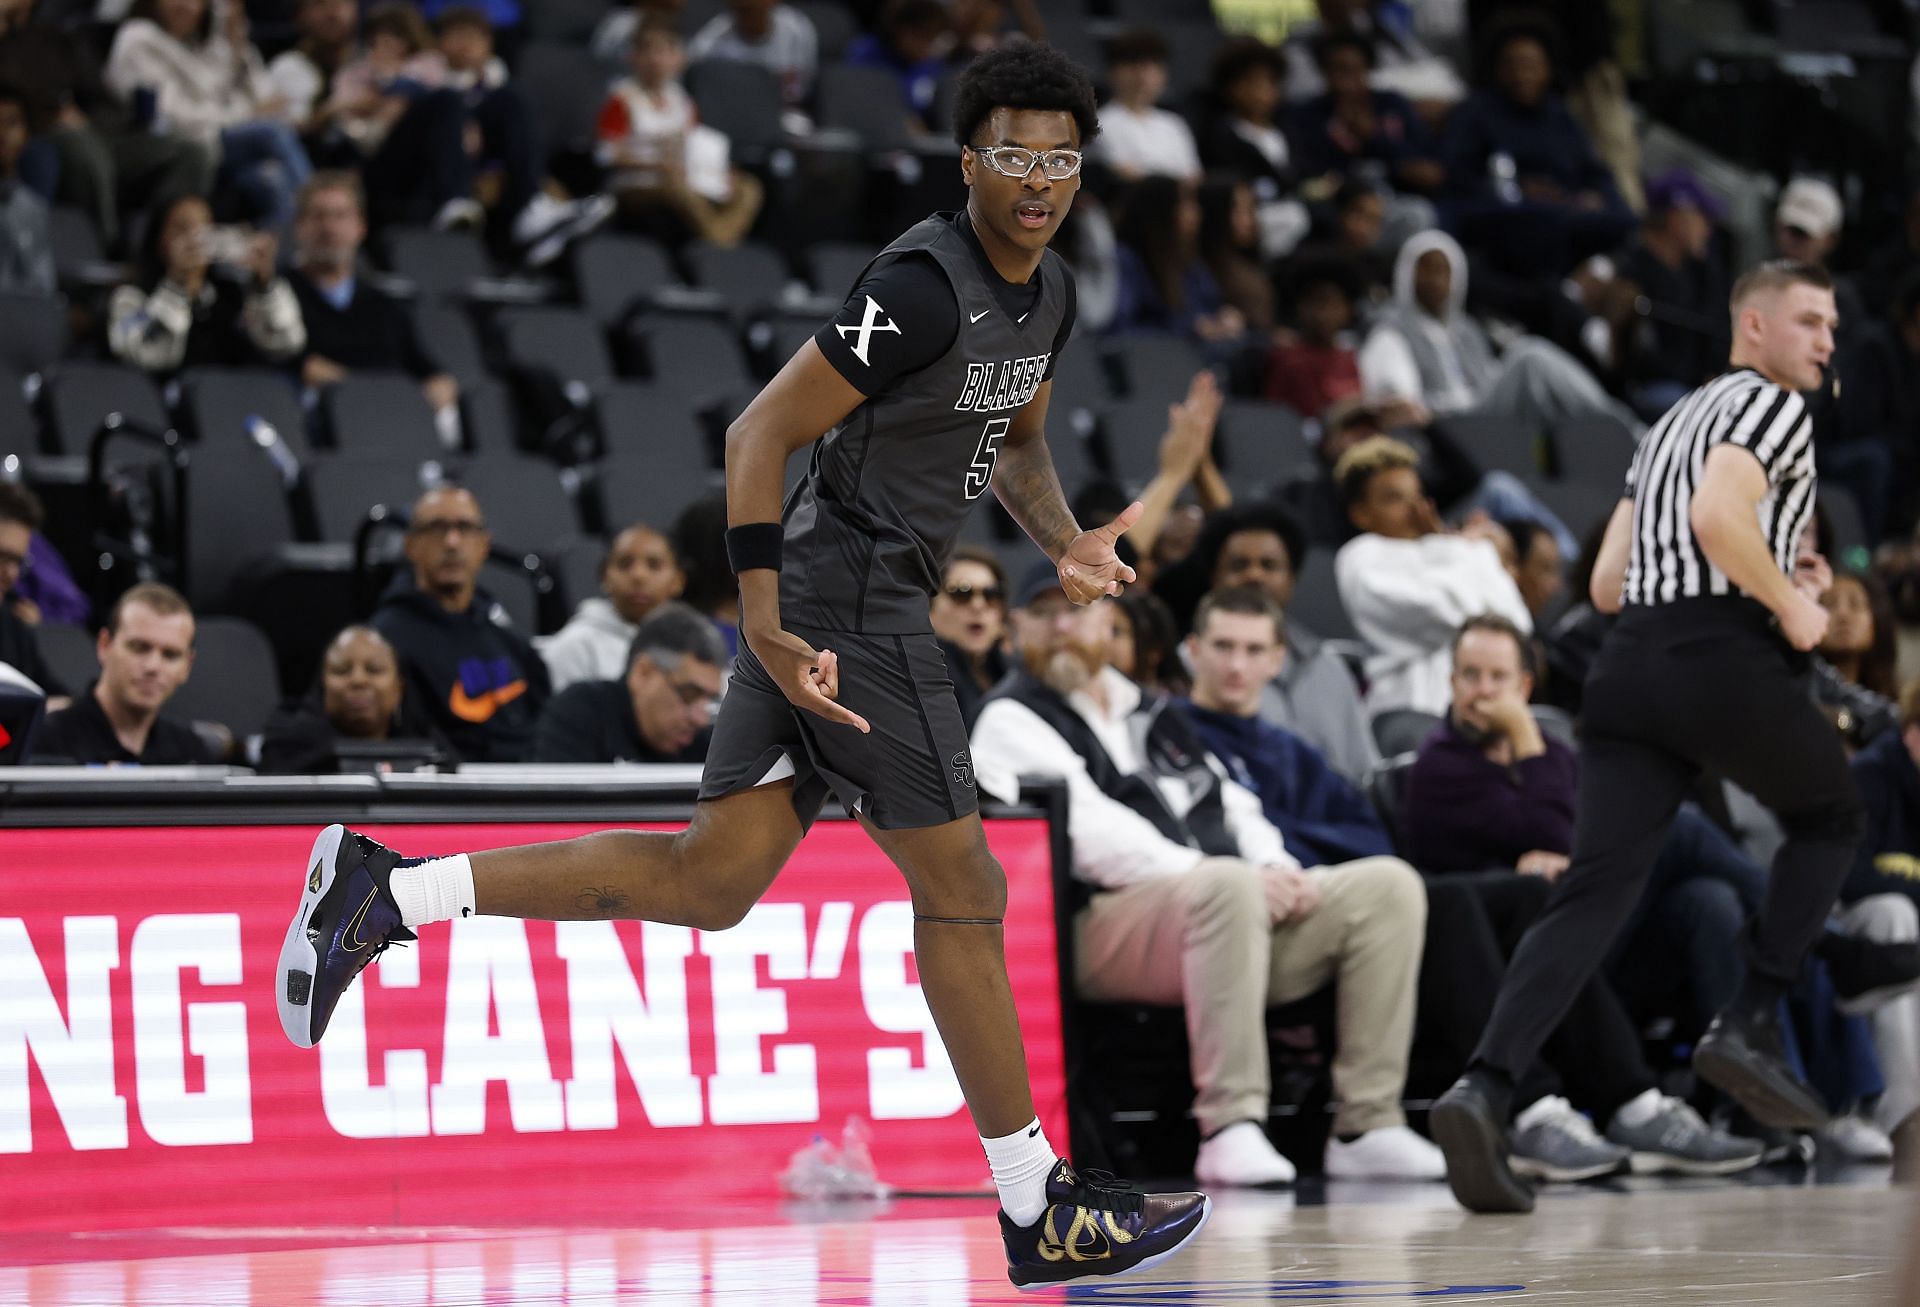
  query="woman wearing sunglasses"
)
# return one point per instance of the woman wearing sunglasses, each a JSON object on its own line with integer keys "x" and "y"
{"x": 970, "y": 618}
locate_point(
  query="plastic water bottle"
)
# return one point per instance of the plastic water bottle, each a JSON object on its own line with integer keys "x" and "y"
{"x": 264, "y": 434}
{"x": 822, "y": 1170}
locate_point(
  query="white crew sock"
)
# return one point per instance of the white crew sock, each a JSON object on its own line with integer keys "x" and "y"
{"x": 1021, "y": 1163}
{"x": 433, "y": 889}
{"x": 1639, "y": 1109}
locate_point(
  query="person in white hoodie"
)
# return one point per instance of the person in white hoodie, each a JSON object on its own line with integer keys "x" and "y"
{"x": 193, "y": 72}
{"x": 1197, "y": 902}
{"x": 1408, "y": 582}
{"x": 638, "y": 574}
{"x": 1425, "y": 348}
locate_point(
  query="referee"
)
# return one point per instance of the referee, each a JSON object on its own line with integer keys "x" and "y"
{"x": 1703, "y": 672}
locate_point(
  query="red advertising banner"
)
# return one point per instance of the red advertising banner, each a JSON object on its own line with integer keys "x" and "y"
{"x": 498, "y": 1071}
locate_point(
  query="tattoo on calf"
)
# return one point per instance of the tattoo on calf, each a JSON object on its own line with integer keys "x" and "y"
{"x": 605, "y": 902}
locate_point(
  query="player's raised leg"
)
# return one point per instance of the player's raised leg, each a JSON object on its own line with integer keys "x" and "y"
{"x": 1057, "y": 1224}
{"x": 359, "y": 897}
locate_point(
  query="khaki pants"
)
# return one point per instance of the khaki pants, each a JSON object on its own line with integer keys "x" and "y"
{"x": 724, "y": 223}
{"x": 1205, "y": 941}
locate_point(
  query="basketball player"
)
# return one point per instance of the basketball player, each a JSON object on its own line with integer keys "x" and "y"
{"x": 1705, "y": 671}
{"x": 931, "y": 384}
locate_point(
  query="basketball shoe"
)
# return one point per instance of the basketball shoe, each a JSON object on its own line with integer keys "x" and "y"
{"x": 1096, "y": 1225}
{"x": 347, "y": 918}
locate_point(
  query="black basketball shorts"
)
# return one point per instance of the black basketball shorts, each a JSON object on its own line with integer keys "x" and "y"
{"x": 912, "y": 770}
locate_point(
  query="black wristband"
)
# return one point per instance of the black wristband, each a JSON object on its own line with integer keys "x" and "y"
{"x": 755, "y": 544}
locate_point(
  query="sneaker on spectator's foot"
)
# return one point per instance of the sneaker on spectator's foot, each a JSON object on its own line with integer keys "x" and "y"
{"x": 1868, "y": 973}
{"x": 1469, "y": 1124}
{"x": 1551, "y": 1141}
{"x": 1675, "y": 1139}
{"x": 1857, "y": 1139}
{"x": 546, "y": 226}
{"x": 1741, "y": 1054}
{"x": 347, "y": 918}
{"x": 1388, "y": 1153}
{"x": 1241, "y": 1157}
{"x": 1096, "y": 1225}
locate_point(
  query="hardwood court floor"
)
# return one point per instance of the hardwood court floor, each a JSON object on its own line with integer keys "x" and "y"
{"x": 1640, "y": 1242}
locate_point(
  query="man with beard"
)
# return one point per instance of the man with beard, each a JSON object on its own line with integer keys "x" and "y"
{"x": 1197, "y": 901}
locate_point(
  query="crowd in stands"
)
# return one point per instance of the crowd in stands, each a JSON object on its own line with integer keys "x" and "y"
{"x": 445, "y": 307}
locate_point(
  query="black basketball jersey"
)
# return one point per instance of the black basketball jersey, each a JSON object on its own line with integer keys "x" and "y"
{"x": 870, "y": 530}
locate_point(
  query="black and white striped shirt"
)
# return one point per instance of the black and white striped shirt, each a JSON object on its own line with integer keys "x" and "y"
{"x": 1740, "y": 408}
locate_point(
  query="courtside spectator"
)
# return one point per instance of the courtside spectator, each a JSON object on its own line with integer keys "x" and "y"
{"x": 20, "y": 517}
{"x": 1197, "y": 901}
{"x": 478, "y": 679}
{"x": 146, "y": 653}
{"x": 359, "y": 698}
{"x": 26, "y": 250}
{"x": 207, "y": 297}
{"x": 776, "y": 36}
{"x": 1137, "y": 137}
{"x": 638, "y": 574}
{"x": 204, "y": 82}
{"x": 660, "y": 710}
{"x": 1407, "y": 581}
{"x": 664, "y": 157}
{"x": 969, "y": 614}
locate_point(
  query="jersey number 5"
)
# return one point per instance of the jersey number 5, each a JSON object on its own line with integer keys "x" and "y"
{"x": 985, "y": 455}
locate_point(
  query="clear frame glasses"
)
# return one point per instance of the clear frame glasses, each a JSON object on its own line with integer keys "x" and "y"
{"x": 1016, "y": 162}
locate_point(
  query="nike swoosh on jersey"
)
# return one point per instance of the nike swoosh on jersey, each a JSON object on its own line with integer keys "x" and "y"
{"x": 975, "y": 317}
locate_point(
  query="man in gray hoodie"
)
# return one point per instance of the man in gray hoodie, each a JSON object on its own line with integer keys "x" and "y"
{"x": 1425, "y": 348}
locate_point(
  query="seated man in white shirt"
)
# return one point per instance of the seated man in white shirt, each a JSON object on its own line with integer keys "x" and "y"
{"x": 1407, "y": 581}
{"x": 1137, "y": 137}
{"x": 1198, "y": 902}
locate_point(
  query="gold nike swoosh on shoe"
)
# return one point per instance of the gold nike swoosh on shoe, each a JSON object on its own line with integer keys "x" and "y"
{"x": 353, "y": 942}
{"x": 313, "y": 880}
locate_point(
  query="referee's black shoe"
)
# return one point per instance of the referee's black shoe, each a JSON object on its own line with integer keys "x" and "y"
{"x": 1469, "y": 1123}
{"x": 1741, "y": 1053}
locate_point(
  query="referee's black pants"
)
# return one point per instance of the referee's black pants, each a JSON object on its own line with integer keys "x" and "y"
{"x": 1698, "y": 685}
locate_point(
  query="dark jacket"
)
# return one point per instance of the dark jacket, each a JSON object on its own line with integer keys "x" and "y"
{"x": 81, "y": 733}
{"x": 300, "y": 740}
{"x": 373, "y": 333}
{"x": 968, "y": 691}
{"x": 21, "y": 651}
{"x": 1323, "y": 144}
{"x": 1685, "y": 336}
{"x": 593, "y": 721}
{"x": 1322, "y": 817}
{"x": 479, "y": 680}
{"x": 1465, "y": 812}
{"x": 1543, "y": 141}
{"x": 1887, "y": 859}
{"x": 52, "y": 68}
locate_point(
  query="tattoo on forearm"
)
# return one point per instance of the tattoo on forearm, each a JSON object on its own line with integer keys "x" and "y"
{"x": 1030, "y": 488}
{"x": 604, "y": 902}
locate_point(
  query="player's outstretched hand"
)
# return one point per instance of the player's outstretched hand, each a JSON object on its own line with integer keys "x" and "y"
{"x": 809, "y": 677}
{"x": 1090, "y": 569}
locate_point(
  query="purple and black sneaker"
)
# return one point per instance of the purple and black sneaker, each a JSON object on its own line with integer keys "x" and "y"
{"x": 347, "y": 918}
{"x": 1097, "y": 1225}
